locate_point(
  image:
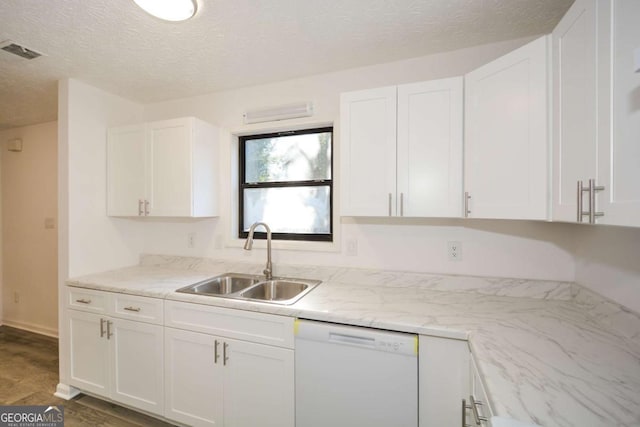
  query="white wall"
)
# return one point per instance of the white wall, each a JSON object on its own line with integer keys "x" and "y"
{"x": 95, "y": 242}
{"x": 29, "y": 198}
{"x": 494, "y": 248}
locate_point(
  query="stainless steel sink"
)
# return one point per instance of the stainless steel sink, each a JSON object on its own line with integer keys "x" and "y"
{"x": 253, "y": 288}
{"x": 226, "y": 284}
{"x": 282, "y": 291}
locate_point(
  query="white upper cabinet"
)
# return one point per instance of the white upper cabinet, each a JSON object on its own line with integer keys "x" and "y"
{"x": 506, "y": 135}
{"x": 619, "y": 155}
{"x": 429, "y": 149}
{"x": 402, "y": 150}
{"x": 126, "y": 170}
{"x": 165, "y": 168}
{"x": 368, "y": 152}
{"x": 597, "y": 114}
{"x": 575, "y": 106}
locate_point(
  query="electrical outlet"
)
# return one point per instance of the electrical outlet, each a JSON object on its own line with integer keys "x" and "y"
{"x": 352, "y": 247}
{"x": 455, "y": 251}
{"x": 191, "y": 240}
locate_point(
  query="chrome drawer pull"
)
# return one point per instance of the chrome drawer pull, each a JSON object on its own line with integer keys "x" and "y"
{"x": 215, "y": 351}
{"x": 102, "y": 327}
{"x": 109, "y": 333}
{"x": 225, "y": 358}
{"x": 136, "y": 309}
{"x": 84, "y": 301}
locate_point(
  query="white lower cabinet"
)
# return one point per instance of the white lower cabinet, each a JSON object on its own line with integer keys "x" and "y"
{"x": 214, "y": 380}
{"x": 477, "y": 407}
{"x": 443, "y": 381}
{"x": 115, "y": 358}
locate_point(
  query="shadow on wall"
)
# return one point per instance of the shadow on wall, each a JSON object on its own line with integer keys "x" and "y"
{"x": 615, "y": 247}
{"x": 562, "y": 235}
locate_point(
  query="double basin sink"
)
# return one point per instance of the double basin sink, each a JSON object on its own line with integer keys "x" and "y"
{"x": 253, "y": 288}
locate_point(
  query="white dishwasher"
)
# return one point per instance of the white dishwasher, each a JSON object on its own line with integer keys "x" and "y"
{"x": 349, "y": 376}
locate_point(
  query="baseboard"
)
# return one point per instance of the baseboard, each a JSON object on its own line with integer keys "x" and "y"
{"x": 42, "y": 330}
{"x": 66, "y": 392}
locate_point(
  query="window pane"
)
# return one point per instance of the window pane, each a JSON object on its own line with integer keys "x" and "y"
{"x": 289, "y": 209}
{"x": 288, "y": 158}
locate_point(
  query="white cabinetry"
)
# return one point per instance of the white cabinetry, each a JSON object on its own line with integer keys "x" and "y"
{"x": 575, "y": 101}
{"x": 402, "y": 150}
{"x": 476, "y": 408}
{"x": 443, "y": 382}
{"x": 620, "y": 157}
{"x": 220, "y": 370}
{"x": 165, "y": 168}
{"x": 597, "y": 121}
{"x": 114, "y": 357}
{"x": 506, "y": 136}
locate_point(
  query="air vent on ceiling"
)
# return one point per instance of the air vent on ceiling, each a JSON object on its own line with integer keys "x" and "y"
{"x": 283, "y": 112}
{"x": 16, "y": 49}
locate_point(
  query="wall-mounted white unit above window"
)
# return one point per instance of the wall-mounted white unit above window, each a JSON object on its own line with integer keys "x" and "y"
{"x": 282, "y": 112}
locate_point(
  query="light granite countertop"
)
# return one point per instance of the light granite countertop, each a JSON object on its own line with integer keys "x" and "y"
{"x": 552, "y": 353}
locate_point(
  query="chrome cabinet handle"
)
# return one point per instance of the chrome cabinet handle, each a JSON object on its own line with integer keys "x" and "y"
{"x": 579, "y": 212}
{"x": 102, "y": 328}
{"x": 467, "y": 197}
{"x": 109, "y": 333}
{"x": 593, "y": 214}
{"x": 215, "y": 351}
{"x": 140, "y": 211}
{"x": 464, "y": 413}
{"x": 582, "y": 213}
{"x": 390, "y": 204}
{"x": 83, "y": 301}
{"x": 136, "y": 309}
{"x": 474, "y": 408}
{"x": 146, "y": 208}
{"x": 401, "y": 204}
{"x": 224, "y": 354}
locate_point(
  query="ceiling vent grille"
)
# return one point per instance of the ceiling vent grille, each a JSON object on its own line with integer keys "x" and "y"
{"x": 19, "y": 50}
{"x": 283, "y": 112}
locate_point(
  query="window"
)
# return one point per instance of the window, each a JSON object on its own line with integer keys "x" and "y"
{"x": 286, "y": 182}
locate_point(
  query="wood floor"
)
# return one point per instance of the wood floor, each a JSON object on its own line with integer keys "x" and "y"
{"x": 29, "y": 375}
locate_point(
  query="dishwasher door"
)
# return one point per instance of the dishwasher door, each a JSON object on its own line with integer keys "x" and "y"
{"x": 351, "y": 376}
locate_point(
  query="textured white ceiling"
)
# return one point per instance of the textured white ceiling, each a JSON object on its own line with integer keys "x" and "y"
{"x": 233, "y": 43}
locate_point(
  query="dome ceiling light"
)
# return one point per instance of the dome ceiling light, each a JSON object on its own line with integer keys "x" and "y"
{"x": 169, "y": 10}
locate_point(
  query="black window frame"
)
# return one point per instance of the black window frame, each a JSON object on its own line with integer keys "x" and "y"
{"x": 242, "y": 185}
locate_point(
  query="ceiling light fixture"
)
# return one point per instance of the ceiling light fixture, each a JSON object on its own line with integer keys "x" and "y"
{"x": 169, "y": 10}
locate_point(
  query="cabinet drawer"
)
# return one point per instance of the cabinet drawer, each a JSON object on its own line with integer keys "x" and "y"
{"x": 244, "y": 325}
{"x": 87, "y": 300}
{"x": 142, "y": 309}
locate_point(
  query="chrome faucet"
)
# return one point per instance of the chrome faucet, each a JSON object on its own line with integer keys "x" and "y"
{"x": 268, "y": 271}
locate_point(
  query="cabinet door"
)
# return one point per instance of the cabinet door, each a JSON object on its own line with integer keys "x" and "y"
{"x": 619, "y": 157}
{"x": 443, "y": 380}
{"x": 430, "y": 148}
{"x": 125, "y": 170}
{"x": 89, "y": 366}
{"x": 575, "y": 105}
{"x": 169, "y": 168}
{"x": 506, "y": 137}
{"x": 258, "y": 385}
{"x": 137, "y": 364}
{"x": 368, "y": 152}
{"x": 193, "y": 379}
